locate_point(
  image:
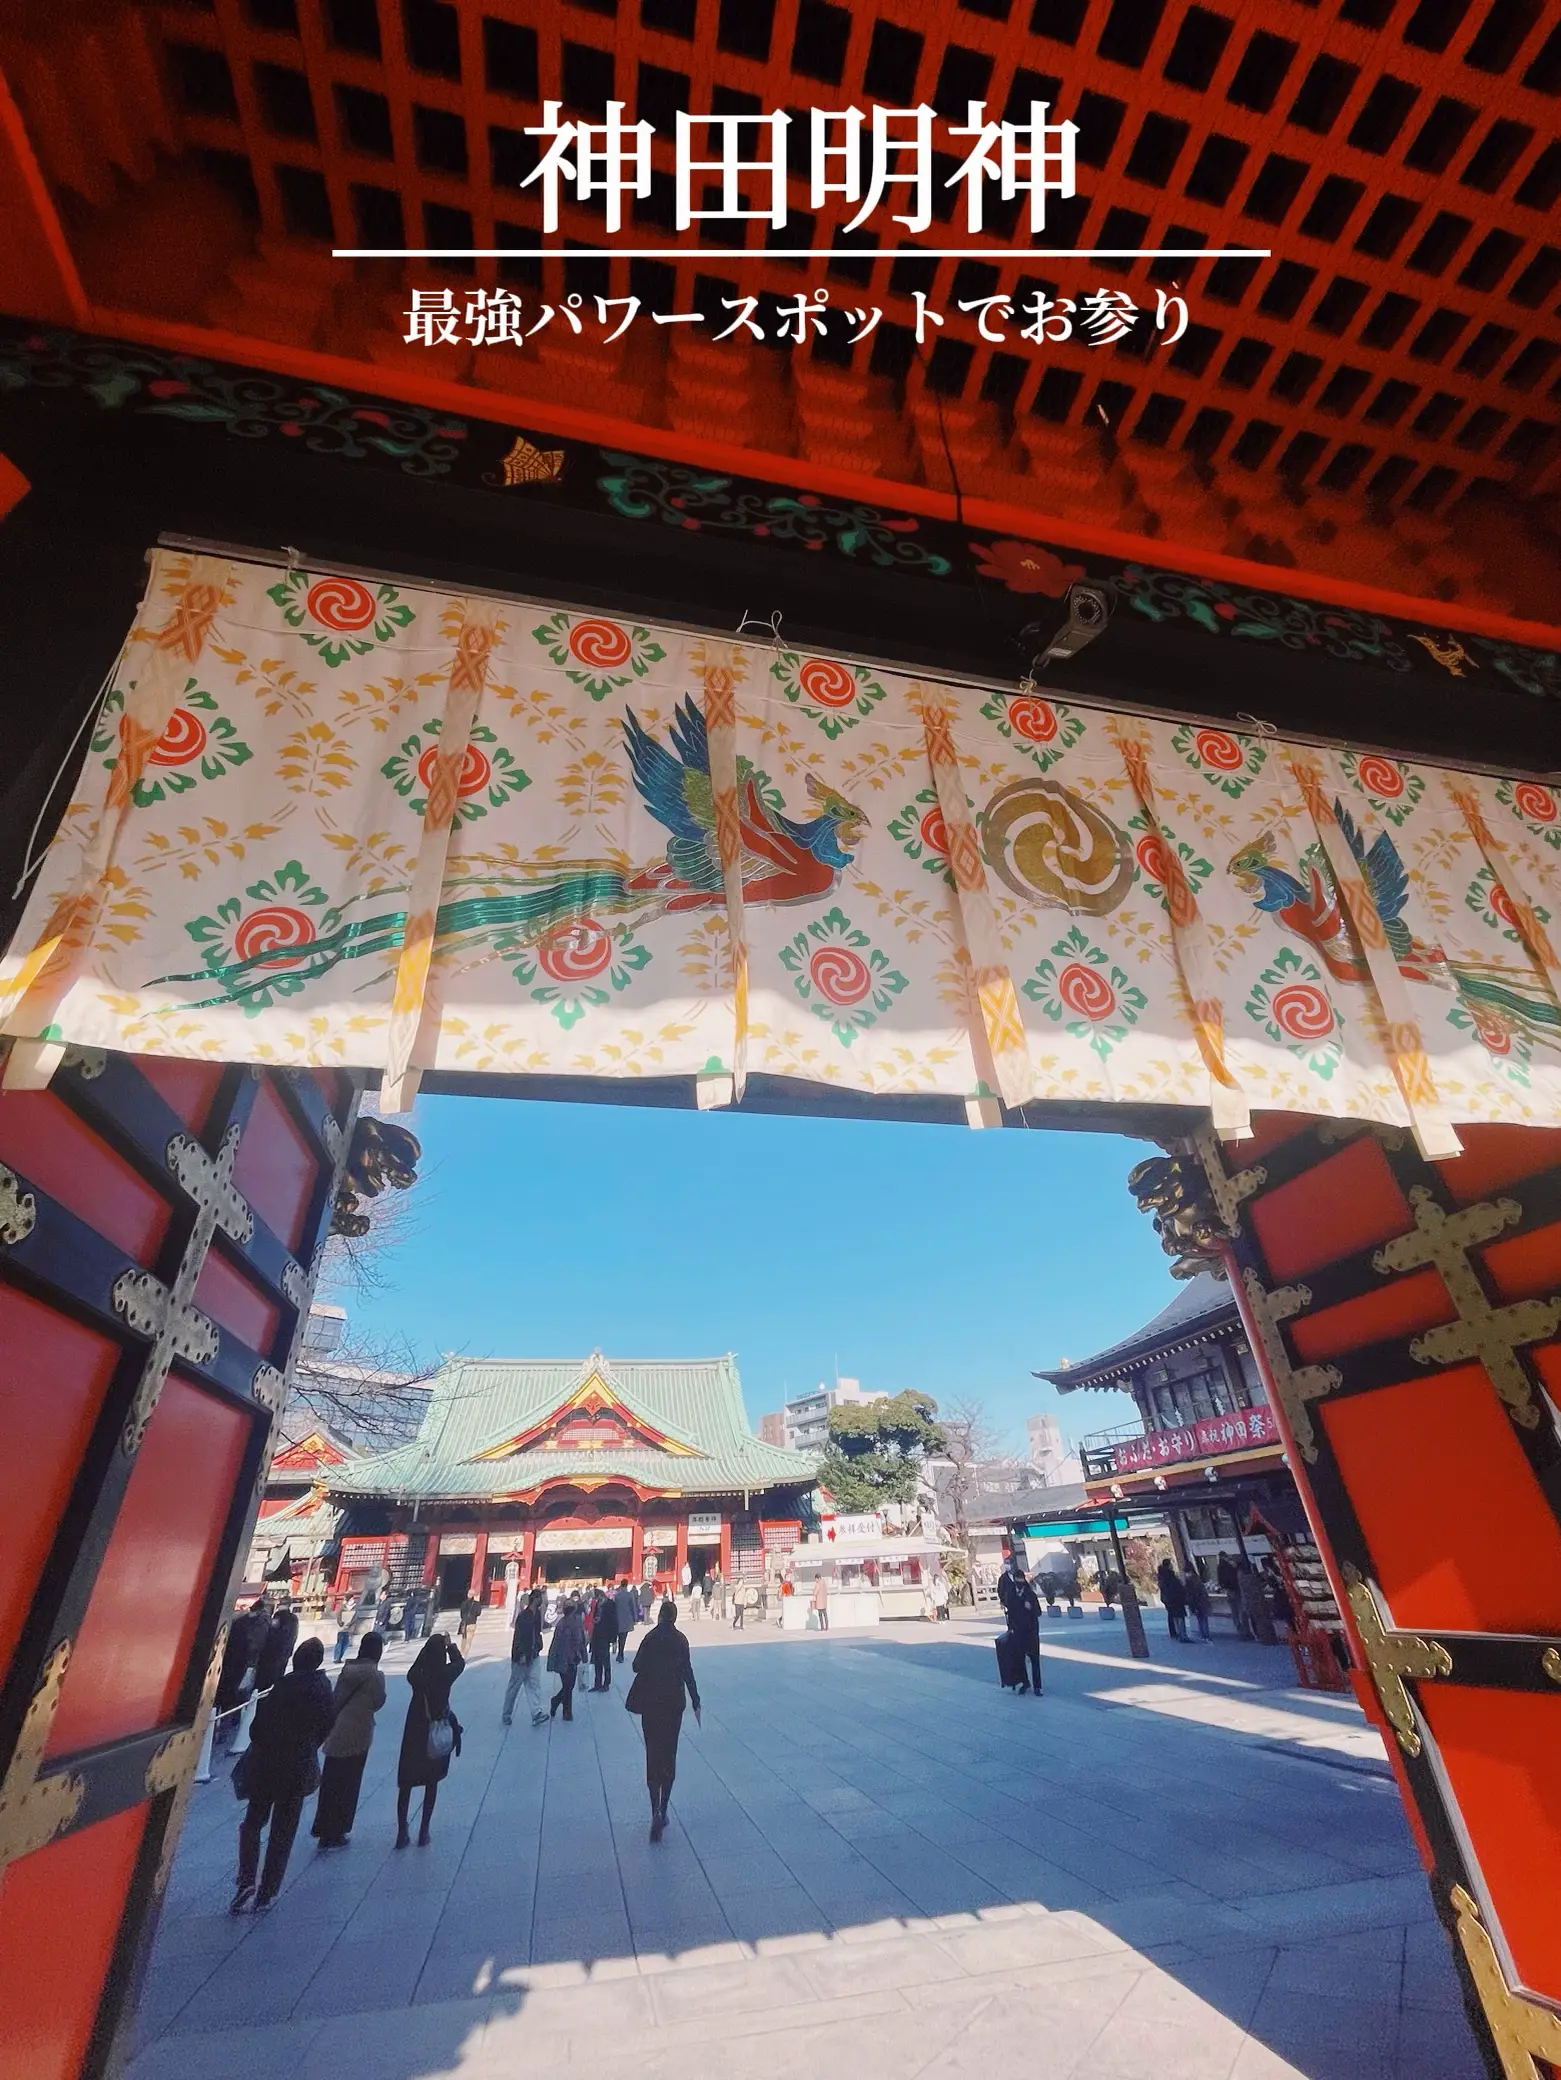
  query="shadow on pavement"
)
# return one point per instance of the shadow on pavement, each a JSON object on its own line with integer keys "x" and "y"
{"x": 879, "y": 1863}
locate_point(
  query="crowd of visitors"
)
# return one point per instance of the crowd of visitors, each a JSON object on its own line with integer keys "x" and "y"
{"x": 307, "y": 1736}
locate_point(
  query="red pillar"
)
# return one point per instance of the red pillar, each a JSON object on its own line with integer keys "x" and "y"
{"x": 431, "y": 1561}
{"x": 479, "y": 1587}
{"x": 680, "y": 1555}
{"x": 528, "y": 1557}
{"x": 726, "y": 1549}
{"x": 637, "y": 1551}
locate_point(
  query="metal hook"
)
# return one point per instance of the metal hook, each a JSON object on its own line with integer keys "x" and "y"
{"x": 294, "y": 557}
{"x": 770, "y": 627}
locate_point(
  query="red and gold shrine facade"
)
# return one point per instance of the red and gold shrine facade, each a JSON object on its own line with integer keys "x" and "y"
{"x": 569, "y": 1470}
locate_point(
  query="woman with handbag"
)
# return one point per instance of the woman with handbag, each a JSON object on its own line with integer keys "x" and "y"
{"x": 565, "y": 1655}
{"x": 278, "y": 1770}
{"x": 431, "y": 1735}
{"x": 663, "y": 1671}
{"x": 360, "y": 1692}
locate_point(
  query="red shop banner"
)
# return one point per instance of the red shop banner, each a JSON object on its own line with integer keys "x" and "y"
{"x": 1201, "y": 1440}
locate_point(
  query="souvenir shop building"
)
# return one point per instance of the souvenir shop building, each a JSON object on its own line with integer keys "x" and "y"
{"x": 543, "y": 1470}
{"x": 1206, "y": 1449}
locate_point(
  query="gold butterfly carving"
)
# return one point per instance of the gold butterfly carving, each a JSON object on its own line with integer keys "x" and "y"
{"x": 526, "y": 463}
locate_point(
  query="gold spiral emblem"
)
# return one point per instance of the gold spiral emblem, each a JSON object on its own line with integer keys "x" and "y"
{"x": 1052, "y": 848}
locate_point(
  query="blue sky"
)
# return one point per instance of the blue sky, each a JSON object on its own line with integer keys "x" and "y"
{"x": 930, "y": 1257}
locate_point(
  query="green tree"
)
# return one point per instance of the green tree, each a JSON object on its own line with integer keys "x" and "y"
{"x": 875, "y": 1450}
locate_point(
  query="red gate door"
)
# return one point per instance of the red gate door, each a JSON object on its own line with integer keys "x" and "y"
{"x": 1408, "y": 1318}
{"x": 160, "y": 1224}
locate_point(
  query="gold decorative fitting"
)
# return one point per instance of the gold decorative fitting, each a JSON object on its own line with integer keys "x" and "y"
{"x": 18, "y": 1209}
{"x": 268, "y": 1386}
{"x": 1448, "y": 652}
{"x": 1393, "y": 1656}
{"x": 1229, "y": 1187}
{"x": 331, "y": 1134}
{"x": 295, "y": 1282}
{"x": 1297, "y": 1386}
{"x": 1523, "y": 2032}
{"x": 34, "y": 1808}
{"x": 172, "y": 1768}
{"x": 1333, "y": 1132}
{"x": 526, "y": 463}
{"x": 1491, "y": 1335}
{"x": 169, "y": 1764}
{"x": 1550, "y": 1663}
{"x": 208, "y": 1181}
{"x": 88, "y": 1062}
{"x": 166, "y": 1314}
{"x": 174, "y": 1328}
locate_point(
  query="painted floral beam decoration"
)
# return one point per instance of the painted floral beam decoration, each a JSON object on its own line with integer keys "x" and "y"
{"x": 1163, "y": 913}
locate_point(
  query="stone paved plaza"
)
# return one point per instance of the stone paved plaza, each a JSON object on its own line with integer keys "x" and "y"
{"x": 879, "y": 1864}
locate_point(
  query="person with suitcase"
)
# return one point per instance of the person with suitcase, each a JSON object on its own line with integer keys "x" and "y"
{"x": 1023, "y": 1611}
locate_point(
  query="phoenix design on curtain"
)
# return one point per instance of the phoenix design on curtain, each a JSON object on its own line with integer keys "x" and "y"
{"x": 629, "y": 851}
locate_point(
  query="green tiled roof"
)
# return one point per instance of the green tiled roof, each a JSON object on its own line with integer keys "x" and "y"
{"x": 477, "y": 1404}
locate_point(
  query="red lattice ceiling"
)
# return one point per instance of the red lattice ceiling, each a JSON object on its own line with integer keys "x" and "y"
{"x": 1402, "y": 157}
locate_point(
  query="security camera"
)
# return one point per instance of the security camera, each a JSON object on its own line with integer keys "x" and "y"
{"x": 1089, "y": 609}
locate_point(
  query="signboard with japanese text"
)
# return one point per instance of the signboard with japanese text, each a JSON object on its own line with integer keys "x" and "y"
{"x": 1206, "y": 1439}
{"x": 843, "y": 1529}
{"x": 597, "y": 1538}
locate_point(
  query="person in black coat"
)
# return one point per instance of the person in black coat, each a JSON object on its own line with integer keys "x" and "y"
{"x": 1022, "y": 1608}
{"x": 432, "y": 1676}
{"x": 663, "y": 1672}
{"x": 604, "y": 1633}
{"x": 281, "y": 1768}
{"x": 235, "y": 1681}
{"x": 275, "y": 1650}
{"x": 1174, "y": 1596}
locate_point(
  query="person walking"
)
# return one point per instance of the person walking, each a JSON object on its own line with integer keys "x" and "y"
{"x": 276, "y": 1650}
{"x": 604, "y": 1636}
{"x": 1174, "y": 1598}
{"x": 626, "y": 1605}
{"x": 343, "y": 1628}
{"x": 471, "y": 1611}
{"x": 1022, "y": 1608}
{"x": 744, "y": 1601}
{"x": 940, "y": 1596}
{"x": 280, "y": 1768}
{"x": 663, "y": 1672}
{"x": 1197, "y": 1597}
{"x": 236, "y": 1679}
{"x": 820, "y": 1601}
{"x": 525, "y": 1651}
{"x": 360, "y": 1693}
{"x": 430, "y": 1735}
{"x": 1230, "y": 1588}
{"x": 565, "y": 1655}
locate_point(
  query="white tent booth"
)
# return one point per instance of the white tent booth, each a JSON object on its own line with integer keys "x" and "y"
{"x": 875, "y": 1571}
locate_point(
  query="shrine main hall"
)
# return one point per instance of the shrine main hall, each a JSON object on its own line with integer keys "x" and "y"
{"x": 574, "y": 1471}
